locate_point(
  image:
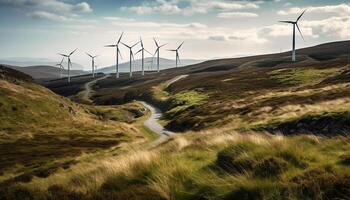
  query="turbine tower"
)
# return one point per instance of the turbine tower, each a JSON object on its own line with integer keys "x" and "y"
{"x": 117, "y": 54}
{"x": 177, "y": 58}
{"x": 295, "y": 24}
{"x": 131, "y": 56}
{"x": 157, "y": 52}
{"x": 92, "y": 64}
{"x": 61, "y": 67}
{"x": 69, "y": 62}
{"x": 142, "y": 50}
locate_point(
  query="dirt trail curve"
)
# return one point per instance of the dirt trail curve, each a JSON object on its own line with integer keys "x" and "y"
{"x": 87, "y": 92}
{"x": 156, "y": 114}
{"x": 153, "y": 124}
{"x": 175, "y": 80}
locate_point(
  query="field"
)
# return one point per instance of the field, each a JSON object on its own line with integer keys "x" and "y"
{"x": 248, "y": 128}
{"x": 41, "y": 132}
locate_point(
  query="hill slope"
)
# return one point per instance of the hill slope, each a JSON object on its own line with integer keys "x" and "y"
{"x": 45, "y": 72}
{"x": 41, "y": 132}
{"x": 258, "y": 92}
{"x": 150, "y": 64}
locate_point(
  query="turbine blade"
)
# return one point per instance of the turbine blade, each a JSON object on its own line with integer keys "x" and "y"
{"x": 120, "y": 38}
{"x": 155, "y": 41}
{"x": 138, "y": 51}
{"x": 148, "y": 51}
{"x": 171, "y": 50}
{"x": 119, "y": 54}
{"x": 132, "y": 56}
{"x": 61, "y": 61}
{"x": 125, "y": 45}
{"x": 72, "y": 52}
{"x": 112, "y": 45}
{"x": 300, "y": 32}
{"x": 301, "y": 15}
{"x": 180, "y": 46}
{"x": 163, "y": 45}
{"x": 141, "y": 42}
{"x": 89, "y": 55}
{"x": 178, "y": 58}
{"x": 63, "y": 55}
{"x": 135, "y": 44}
{"x": 288, "y": 22}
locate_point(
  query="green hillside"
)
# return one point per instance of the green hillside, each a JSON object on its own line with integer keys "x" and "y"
{"x": 41, "y": 132}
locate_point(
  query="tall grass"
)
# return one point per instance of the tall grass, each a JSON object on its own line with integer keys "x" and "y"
{"x": 212, "y": 165}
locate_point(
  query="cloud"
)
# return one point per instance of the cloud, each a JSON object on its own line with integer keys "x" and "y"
{"x": 341, "y": 9}
{"x": 232, "y": 15}
{"x": 193, "y": 7}
{"x": 54, "y": 10}
{"x": 126, "y": 22}
{"x": 217, "y": 38}
{"x": 227, "y": 6}
{"x": 338, "y": 27}
{"x": 48, "y": 16}
{"x": 57, "y": 6}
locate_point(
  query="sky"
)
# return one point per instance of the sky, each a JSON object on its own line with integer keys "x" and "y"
{"x": 209, "y": 28}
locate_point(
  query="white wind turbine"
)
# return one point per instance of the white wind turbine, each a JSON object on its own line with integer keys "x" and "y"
{"x": 157, "y": 52}
{"x": 117, "y": 54}
{"x": 177, "y": 58}
{"x": 142, "y": 50}
{"x": 295, "y": 24}
{"x": 61, "y": 67}
{"x": 69, "y": 62}
{"x": 92, "y": 63}
{"x": 131, "y": 56}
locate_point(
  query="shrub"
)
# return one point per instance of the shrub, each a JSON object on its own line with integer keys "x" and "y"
{"x": 270, "y": 167}
{"x": 345, "y": 159}
{"x": 229, "y": 160}
{"x": 321, "y": 184}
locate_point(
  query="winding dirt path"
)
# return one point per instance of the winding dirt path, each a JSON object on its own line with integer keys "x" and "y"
{"x": 88, "y": 91}
{"x": 175, "y": 80}
{"x": 153, "y": 124}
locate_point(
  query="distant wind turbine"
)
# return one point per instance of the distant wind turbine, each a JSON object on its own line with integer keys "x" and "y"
{"x": 157, "y": 52}
{"x": 142, "y": 50}
{"x": 69, "y": 62}
{"x": 177, "y": 58}
{"x": 295, "y": 24}
{"x": 131, "y": 56}
{"x": 61, "y": 66}
{"x": 117, "y": 54}
{"x": 92, "y": 63}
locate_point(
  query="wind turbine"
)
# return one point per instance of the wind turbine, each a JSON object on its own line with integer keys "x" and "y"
{"x": 92, "y": 64}
{"x": 177, "y": 58}
{"x": 142, "y": 50}
{"x": 69, "y": 62}
{"x": 117, "y": 54}
{"x": 131, "y": 56}
{"x": 157, "y": 52}
{"x": 295, "y": 24}
{"x": 61, "y": 67}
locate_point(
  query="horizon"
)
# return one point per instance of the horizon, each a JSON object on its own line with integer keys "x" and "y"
{"x": 210, "y": 29}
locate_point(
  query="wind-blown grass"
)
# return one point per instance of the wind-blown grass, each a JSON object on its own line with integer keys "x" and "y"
{"x": 211, "y": 165}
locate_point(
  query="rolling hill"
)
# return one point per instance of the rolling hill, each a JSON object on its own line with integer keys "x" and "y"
{"x": 41, "y": 132}
{"x": 41, "y": 73}
{"x": 254, "y": 128}
{"x": 164, "y": 64}
{"x": 228, "y": 92}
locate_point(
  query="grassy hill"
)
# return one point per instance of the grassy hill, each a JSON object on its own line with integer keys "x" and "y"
{"x": 264, "y": 92}
{"x": 230, "y": 114}
{"x": 41, "y": 132}
{"x": 45, "y": 72}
